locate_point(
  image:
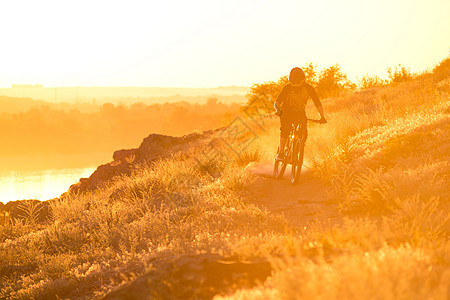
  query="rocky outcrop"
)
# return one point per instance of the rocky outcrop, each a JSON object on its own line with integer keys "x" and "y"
{"x": 152, "y": 148}
{"x": 200, "y": 276}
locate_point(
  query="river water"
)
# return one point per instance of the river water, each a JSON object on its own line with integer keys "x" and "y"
{"x": 39, "y": 184}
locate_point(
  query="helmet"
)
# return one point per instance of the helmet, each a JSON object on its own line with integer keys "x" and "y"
{"x": 297, "y": 76}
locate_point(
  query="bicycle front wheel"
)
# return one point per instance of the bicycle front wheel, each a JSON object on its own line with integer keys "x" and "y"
{"x": 281, "y": 164}
{"x": 297, "y": 161}
{"x": 279, "y": 168}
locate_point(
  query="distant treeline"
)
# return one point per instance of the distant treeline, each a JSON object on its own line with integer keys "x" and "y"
{"x": 112, "y": 94}
{"x": 10, "y": 104}
{"x": 44, "y": 130}
{"x": 16, "y": 105}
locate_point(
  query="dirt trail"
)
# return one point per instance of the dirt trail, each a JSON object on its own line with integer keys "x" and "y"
{"x": 301, "y": 204}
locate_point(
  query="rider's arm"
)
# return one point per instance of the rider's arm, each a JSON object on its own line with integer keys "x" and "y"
{"x": 275, "y": 105}
{"x": 281, "y": 98}
{"x": 315, "y": 98}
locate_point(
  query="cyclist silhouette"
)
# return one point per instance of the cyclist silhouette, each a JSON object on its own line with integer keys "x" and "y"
{"x": 290, "y": 106}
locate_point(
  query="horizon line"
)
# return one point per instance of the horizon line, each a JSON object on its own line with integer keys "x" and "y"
{"x": 41, "y": 86}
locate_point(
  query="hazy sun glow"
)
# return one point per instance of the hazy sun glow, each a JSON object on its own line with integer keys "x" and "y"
{"x": 213, "y": 43}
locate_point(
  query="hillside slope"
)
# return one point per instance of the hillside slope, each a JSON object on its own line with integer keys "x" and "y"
{"x": 380, "y": 166}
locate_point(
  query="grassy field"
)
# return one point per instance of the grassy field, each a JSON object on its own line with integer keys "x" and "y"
{"x": 384, "y": 155}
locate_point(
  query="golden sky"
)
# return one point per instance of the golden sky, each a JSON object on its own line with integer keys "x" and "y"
{"x": 213, "y": 43}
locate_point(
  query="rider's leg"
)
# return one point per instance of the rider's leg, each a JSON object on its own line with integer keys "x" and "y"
{"x": 280, "y": 154}
{"x": 285, "y": 128}
{"x": 283, "y": 141}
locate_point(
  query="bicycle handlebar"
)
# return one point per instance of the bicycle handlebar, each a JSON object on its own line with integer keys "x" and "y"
{"x": 320, "y": 121}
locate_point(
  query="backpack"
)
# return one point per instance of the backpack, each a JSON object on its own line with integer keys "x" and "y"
{"x": 297, "y": 98}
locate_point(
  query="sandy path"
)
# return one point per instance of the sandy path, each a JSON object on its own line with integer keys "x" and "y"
{"x": 301, "y": 204}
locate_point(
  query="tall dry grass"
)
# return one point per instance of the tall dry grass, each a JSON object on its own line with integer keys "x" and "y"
{"x": 100, "y": 240}
{"x": 384, "y": 154}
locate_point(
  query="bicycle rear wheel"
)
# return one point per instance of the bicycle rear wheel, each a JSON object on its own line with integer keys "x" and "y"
{"x": 297, "y": 161}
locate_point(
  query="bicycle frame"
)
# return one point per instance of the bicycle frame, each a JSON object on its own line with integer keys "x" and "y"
{"x": 294, "y": 152}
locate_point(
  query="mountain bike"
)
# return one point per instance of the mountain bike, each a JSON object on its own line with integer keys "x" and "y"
{"x": 293, "y": 154}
